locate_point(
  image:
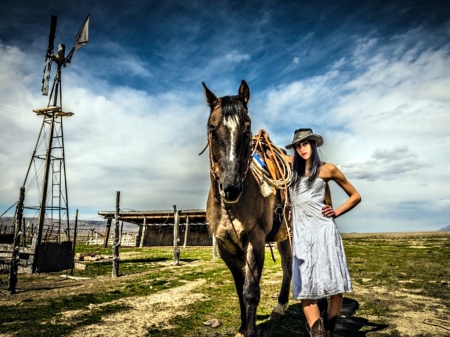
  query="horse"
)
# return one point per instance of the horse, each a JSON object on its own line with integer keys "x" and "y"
{"x": 239, "y": 216}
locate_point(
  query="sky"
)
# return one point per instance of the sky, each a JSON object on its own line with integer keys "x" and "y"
{"x": 372, "y": 77}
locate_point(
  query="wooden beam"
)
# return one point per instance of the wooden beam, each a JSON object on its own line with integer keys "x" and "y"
{"x": 116, "y": 244}
{"x": 176, "y": 238}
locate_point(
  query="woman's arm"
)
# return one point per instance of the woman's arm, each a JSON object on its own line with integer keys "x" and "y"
{"x": 331, "y": 172}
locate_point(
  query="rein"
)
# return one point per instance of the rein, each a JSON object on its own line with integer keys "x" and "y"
{"x": 206, "y": 146}
{"x": 213, "y": 163}
{"x": 208, "y": 143}
{"x": 235, "y": 232}
{"x": 279, "y": 169}
{"x": 211, "y": 159}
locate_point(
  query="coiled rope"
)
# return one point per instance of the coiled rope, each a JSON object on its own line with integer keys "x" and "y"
{"x": 270, "y": 164}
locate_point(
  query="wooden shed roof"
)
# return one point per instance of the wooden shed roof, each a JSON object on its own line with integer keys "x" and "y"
{"x": 157, "y": 217}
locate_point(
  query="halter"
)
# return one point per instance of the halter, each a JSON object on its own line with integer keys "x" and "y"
{"x": 211, "y": 159}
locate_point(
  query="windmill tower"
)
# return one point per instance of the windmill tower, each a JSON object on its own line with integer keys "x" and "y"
{"x": 48, "y": 158}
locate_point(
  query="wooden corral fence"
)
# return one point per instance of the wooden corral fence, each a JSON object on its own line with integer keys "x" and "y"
{"x": 92, "y": 237}
{"x": 156, "y": 228}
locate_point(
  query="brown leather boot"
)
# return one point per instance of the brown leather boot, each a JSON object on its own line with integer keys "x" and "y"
{"x": 317, "y": 329}
{"x": 330, "y": 324}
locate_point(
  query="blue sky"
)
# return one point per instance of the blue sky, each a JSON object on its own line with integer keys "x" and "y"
{"x": 372, "y": 77}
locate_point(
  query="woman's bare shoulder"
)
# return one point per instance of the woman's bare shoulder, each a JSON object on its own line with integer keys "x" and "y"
{"x": 329, "y": 168}
{"x": 327, "y": 171}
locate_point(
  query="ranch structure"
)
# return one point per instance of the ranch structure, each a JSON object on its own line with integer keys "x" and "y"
{"x": 158, "y": 228}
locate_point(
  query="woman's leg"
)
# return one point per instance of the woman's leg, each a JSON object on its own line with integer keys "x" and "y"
{"x": 314, "y": 323}
{"x": 334, "y": 309}
{"x": 335, "y": 305}
{"x": 311, "y": 310}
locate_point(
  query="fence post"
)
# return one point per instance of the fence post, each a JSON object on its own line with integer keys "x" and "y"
{"x": 121, "y": 232}
{"x": 74, "y": 241}
{"x": 107, "y": 230}
{"x": 186, "y": 231}
{"x": 214, "y": 247}
{"x": 15, "y": 251}
{"x": 176, "y": 228}
{"x": 143, "y": 230}
{"x": 23, "y": 238}
{"x": 116, "y": 244}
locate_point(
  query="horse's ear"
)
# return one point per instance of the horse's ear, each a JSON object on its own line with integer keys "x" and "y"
{"x": 210, "y": 97}
{"x": 244, "y": 92}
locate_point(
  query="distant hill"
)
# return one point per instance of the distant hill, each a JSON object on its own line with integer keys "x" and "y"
{"x": 445, "y": 228}
{"x": 10, "y": 219}
{"x": 6, "y": 220}
{"x": 7, "y": 223}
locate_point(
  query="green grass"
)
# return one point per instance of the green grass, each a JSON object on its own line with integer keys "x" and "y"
{"x": 383, "y": 262}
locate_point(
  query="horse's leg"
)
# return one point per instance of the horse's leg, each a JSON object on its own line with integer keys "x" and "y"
{"x": 253, "y": 270}
{"x": 284, "y": 248}
{"x": 235, "y": 265}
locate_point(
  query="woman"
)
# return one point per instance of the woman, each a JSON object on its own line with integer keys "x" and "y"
{"x": 319, "y": 266}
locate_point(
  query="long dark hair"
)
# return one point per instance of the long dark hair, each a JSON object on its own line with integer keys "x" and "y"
{"x": 300, "y": 163}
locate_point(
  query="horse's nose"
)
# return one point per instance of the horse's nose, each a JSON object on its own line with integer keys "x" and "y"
{"x": 231, "y": 192}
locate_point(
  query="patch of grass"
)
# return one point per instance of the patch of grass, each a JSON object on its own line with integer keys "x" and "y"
{"x": 421, "y": 265}
{"x": 40, "y": 318}
{"x": 391, "y": 260}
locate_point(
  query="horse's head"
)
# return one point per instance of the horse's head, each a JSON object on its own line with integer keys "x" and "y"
{"x": 229, "y": 134}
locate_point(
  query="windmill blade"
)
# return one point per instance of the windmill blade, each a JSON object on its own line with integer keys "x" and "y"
{"x": 51, "y": 37}
{"x": 83, "y": 34}
{"x": 49, "y": 56}
{"x": 46, "y": 78}
{"x": 81, "y": 39}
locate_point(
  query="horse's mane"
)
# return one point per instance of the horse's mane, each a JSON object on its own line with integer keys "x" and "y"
{"x": 233, "y": 106}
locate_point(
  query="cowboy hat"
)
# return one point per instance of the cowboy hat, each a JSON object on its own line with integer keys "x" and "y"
{"x": 305, "y": 134}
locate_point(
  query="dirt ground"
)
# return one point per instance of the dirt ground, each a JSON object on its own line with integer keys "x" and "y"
{"x": 408, "y": 320}
{"x": 409, "y": 311}
{"x": 154, "y": 311}
{"x": 146, "y": 312}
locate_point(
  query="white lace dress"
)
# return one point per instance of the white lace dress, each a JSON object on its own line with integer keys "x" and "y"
{"x": 319, "y": 267}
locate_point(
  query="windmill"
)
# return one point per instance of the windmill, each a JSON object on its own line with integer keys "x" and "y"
{"x": 48, "y": 158}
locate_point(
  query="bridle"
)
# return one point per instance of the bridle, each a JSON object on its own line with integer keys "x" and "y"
{"x": 213, "y": 163}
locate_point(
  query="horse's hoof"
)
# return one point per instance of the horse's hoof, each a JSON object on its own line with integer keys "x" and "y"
{"x": 275, "y": 316}
{"x": 278, "y": 311}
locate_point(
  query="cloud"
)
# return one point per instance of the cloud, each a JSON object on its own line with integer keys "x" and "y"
{"x": 117, "y": 60}
{"x": 385, "y": 164}
{"x": 234, "y": 56}
{"x": 376, "y": 92}
{"x": 119, "y": 139}
{"x": 384, "y": 112}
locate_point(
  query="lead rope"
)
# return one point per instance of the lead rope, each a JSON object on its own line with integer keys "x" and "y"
{"x": 206, "y": 146}
{"x": 271, "y": 252}
{"x": 235, "y": 232}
